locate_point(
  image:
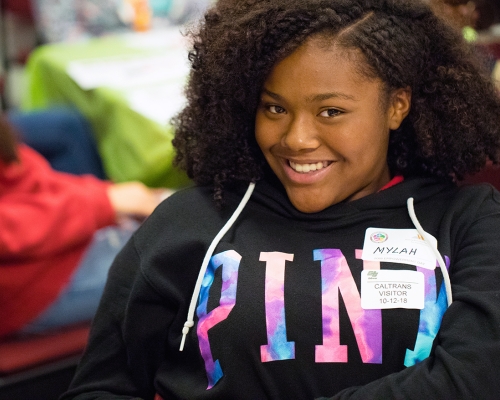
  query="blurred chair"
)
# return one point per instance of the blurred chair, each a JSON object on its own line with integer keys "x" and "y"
{"x": 40, "y": 366}
{"x": 63, "y": 136}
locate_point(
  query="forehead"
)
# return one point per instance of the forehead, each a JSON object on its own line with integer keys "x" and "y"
{"x": 320, "y": 65}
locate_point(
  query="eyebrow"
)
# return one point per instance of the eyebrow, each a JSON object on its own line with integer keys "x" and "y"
{"x": 316, "y": 97}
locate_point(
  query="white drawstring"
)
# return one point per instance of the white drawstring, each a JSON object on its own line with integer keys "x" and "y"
{"x": 430, "y": 242}
{"x": 194, "y": 298}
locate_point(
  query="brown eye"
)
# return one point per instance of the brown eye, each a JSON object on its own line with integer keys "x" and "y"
{"x": 276, "y": 109}
{"x": 331, "y": 112}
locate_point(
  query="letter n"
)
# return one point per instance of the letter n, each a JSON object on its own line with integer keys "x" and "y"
{"x": 278, "y": 347}
{"x": 230, "y": 261}
{"x": 336, "y": 280}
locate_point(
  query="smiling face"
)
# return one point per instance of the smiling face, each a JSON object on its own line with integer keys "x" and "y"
{"x": 324, "y": 128}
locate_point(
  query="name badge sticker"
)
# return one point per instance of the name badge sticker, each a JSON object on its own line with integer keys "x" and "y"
{"x": 403, "y": 246}
{"x": 384, "y": 289}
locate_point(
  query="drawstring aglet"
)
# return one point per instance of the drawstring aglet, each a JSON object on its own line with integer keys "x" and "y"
{"x": 185, "y": 331}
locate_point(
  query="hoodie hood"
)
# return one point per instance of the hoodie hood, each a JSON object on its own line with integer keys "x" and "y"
{"x": 271, "y": 194}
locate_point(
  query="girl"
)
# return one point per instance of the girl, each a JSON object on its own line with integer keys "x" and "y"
{"x": 326, "y": 250}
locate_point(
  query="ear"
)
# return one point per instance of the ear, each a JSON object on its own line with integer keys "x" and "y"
{"x": 399, "y": 107}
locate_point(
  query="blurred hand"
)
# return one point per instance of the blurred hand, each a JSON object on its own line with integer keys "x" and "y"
{"x": 135, "y": 198}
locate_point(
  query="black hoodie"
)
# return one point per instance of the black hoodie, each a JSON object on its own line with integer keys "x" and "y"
{"x": 279, "y": 314}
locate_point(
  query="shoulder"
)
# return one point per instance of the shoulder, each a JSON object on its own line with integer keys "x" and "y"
{"x": 473, "y": 215}
{"x": 188, "y": 218}
{"x": 477, "y": 199}
{"x": 192, "y": 207}
{"x": 173, "y": 240}
{"x": 185, "y": 202}
{"x": 182, "y": 210}
{"x": 468, "y": 200}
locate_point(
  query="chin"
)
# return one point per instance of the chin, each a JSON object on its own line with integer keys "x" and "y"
{"x": 310, "y": 207}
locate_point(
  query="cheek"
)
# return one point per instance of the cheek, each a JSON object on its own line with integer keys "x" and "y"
{"x": 264, "y": 133}
{"x": 258, "y": 130}
{"x": 351, "y": 140}
{"x": 260, "y": 138}
{"x": 360, "y": 142}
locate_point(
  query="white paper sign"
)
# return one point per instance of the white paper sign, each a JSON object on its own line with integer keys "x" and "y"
{"x": 129, "y": 71}
{"x": 159, "y": 102}
{"x": 383, "y": 289}
{"x": 403, "y": 246}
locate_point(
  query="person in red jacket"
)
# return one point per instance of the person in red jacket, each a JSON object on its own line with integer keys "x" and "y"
{"x": 59, "y": 233}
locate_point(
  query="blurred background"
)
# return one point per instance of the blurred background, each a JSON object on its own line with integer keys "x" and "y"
{"x": 114, "y": 70}
{"x": 83, "y": 83}
{"x": 122, "y": 64}
{"x": 27, "y": 24}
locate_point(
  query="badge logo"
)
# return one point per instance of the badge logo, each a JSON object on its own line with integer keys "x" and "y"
{"x": 379, "y": 237}
{"x": 372, "y": 274}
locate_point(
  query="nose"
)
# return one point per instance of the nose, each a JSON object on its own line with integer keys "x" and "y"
{"x": 300, "y": 134}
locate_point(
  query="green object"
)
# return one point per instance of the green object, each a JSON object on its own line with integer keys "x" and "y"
{"x": 132, "y": 146}
{"x": 470, "y": 34}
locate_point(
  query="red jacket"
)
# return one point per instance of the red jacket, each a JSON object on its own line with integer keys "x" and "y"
{"x": 47, "y": 220}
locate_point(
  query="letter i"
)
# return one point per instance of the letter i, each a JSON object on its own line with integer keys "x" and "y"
{"x": 278, "y": 347}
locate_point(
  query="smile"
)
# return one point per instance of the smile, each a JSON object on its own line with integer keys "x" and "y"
{"x": 305, "y": 168}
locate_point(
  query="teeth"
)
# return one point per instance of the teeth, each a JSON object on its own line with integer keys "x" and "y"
{"x": 305, "y": 168}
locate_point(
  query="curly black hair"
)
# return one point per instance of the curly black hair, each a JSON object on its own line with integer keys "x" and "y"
{"x": 454, "y": 123}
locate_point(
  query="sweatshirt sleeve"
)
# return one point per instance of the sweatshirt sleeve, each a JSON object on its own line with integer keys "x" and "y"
{"x": 465, "y": 360}
{"x": 43, "y": 211}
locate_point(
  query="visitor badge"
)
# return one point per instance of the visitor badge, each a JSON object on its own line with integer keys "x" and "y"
{"x": 382, "y": 289}
{"x": 405, "y": 246}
